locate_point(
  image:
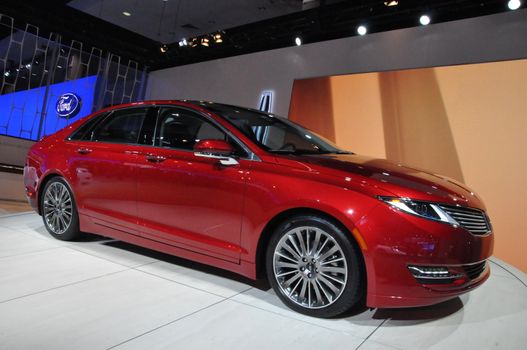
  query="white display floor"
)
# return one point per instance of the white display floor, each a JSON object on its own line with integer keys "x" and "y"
{"x": 102, "y": 294}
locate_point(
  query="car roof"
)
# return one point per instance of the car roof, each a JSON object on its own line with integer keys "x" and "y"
{"x": 213, "y": 106}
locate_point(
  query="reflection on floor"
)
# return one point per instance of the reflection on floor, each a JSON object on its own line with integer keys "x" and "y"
{"x": 100, "y": 294}
{"x": 10, "y": 207}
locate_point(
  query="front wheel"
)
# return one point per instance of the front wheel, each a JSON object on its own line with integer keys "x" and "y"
{"x": 59, "y": 211}
{"x": 314, "y": 267}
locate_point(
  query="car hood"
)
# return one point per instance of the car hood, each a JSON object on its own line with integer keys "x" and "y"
{"x": 400, "y": 180}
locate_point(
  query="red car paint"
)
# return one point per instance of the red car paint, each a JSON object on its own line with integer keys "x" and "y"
{"x": 182, "y": 204}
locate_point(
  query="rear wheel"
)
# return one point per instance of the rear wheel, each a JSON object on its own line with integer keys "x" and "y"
{"x": 59, "y": 211}
{"x": 314, "y": 267}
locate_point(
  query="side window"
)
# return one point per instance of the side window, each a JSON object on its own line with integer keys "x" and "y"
{"x": 182, "y": 129}
{"x": 84, "y": 129}
{"x": 122, "y": 126}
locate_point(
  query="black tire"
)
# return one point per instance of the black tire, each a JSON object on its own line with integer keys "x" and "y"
{"x": 69, "y": 232}
{"x": 352, "y": 286}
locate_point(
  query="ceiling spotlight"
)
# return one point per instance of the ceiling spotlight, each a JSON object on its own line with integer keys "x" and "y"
{"x": 217, "y": 38}
{"x": 514, "y": 4}
{"x": 391, "y": 3}
{"x": 193, "y": 42}
{"x": 205, "y": 42}
{"x": 362, "y": 30}
{"x": 298, "y": 41}
{"x": 163, "y": 48}
{"x": 424, "y": 20}
{"x": 6, "y": 74}
{"x": 127, "y": 14}
{"x": 183, "y": 42}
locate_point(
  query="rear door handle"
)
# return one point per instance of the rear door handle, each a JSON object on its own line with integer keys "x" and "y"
{"x": 155, "y": 159}
{"x": 83, "y": 150}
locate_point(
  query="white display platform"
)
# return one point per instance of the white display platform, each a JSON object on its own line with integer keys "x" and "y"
{"x": 100, "y": 294}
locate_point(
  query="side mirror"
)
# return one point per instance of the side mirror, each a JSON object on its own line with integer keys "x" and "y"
{"x": 216, "y": 149}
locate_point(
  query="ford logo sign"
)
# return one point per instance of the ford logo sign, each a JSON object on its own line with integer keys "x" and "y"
{"x": 68, "y": 105}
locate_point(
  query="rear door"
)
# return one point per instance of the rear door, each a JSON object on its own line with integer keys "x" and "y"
{"x": 103, "y": 166}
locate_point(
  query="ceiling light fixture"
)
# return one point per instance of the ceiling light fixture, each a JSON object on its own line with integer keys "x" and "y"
{"x": 193, "y": 42}
{"x": 362, "y": 30}
{"x": 514, "y": 4}
{"x": 298, "y": 41}
{"x": 217, "y": 38}
{"x": 424, "y": 20}
{"x": 163, "y": 48}
{"x": 183, "y": 42}
{"x": 127, "y": 14}
{"x": 205, "y": 42}
{"x": 391, "y": 3}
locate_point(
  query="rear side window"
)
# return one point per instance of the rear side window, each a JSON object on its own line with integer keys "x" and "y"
{"x": 123, "y": 126}
{"x": 84, "y": 129}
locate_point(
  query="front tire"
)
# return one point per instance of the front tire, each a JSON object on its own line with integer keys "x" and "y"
{"x": 59, "y": 211}
{"x": 314, "y": 267}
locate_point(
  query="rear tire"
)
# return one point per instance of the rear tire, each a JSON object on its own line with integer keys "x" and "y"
{"x": 59, "y": 211}
{"x": 314, "y": 267}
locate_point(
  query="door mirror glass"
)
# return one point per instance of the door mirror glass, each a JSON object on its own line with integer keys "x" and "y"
{"x": 214, "y": 147}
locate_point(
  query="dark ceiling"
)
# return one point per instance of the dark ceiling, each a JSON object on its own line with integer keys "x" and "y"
{"x": 311, "y": 20}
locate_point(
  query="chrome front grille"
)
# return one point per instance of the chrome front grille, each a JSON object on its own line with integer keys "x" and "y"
{"x": 473, "y": 220}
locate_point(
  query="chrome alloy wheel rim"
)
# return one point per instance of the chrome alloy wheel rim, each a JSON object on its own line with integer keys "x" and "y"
{"x": 310, "y": 267}
{"x": 58, "y": 208}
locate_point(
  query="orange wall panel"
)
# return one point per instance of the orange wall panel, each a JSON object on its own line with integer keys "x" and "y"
{"x": 311, "y": 105}
{"x": 468, "y": 122}
{"x": 354, "y": 114}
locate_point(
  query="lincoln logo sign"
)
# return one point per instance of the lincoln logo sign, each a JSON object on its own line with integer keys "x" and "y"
{"x": 68, "y": 105}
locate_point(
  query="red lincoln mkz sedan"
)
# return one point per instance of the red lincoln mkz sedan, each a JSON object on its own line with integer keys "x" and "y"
{"x": 254, "y": 193}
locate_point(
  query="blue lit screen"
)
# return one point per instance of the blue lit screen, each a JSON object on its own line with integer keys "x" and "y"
{"x": 20, "y": 112}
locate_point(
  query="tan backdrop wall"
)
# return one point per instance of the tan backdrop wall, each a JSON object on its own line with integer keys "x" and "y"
{"x": 468, "y": 122}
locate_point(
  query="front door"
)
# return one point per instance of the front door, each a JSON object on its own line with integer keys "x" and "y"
{"x": 185, "y": 200}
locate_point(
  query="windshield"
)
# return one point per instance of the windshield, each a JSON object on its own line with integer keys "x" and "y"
{"x": 275, "y": 134}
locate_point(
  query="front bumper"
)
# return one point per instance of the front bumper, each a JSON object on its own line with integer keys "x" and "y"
{"x": 396, "y": 241}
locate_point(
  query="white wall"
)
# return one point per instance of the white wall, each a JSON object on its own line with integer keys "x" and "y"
{"x": 12, "y": 187}
{"x": 13, "y": 151}
{"x": 240, "y": 80}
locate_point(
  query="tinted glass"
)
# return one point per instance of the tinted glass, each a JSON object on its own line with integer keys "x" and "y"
{"x": 182, "y": 129}
{"x": 84, "y": 129}
{"x": 121, "y": 126}
{"x": 273, "y": 133}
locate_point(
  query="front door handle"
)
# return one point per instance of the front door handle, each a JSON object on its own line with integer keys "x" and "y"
{"x": 83, "y": 150}
{"x": 155, "y": 159}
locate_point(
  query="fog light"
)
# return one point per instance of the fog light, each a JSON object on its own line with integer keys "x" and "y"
{"x": 433, "y": 274}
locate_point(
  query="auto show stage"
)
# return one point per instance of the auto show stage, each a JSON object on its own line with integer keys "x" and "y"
{"x": 101, "y": 294}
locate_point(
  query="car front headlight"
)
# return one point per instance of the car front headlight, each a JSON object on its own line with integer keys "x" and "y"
{"x": 425, "y": 210}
